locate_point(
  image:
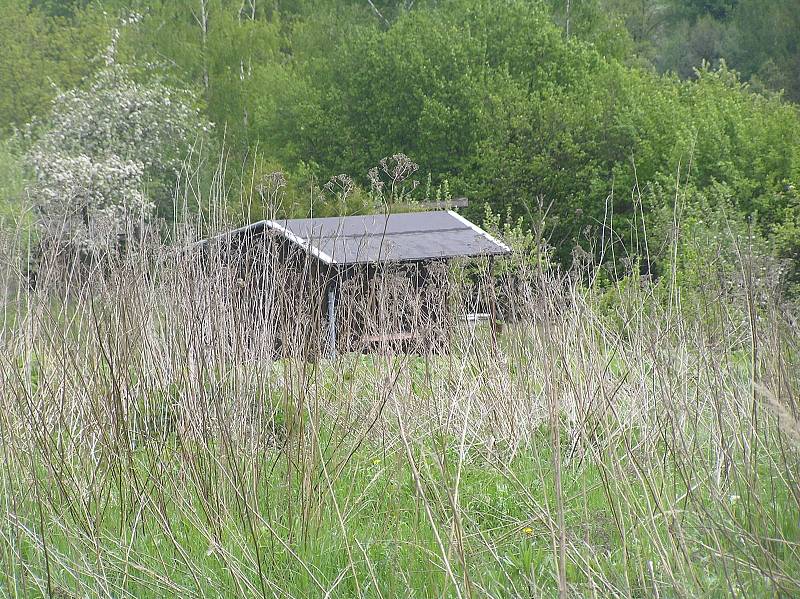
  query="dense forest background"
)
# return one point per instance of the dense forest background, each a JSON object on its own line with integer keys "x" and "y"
{"x": 589, "y": 119}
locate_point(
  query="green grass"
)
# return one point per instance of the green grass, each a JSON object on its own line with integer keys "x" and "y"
{"x": 384, "y": 545}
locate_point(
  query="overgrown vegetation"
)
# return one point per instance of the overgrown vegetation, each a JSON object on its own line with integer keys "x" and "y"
{"x": 640, "y": 439}
{"x": 632, "y": 431}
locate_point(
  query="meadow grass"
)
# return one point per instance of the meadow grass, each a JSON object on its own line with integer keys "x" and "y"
{"x": 635, "y": 441}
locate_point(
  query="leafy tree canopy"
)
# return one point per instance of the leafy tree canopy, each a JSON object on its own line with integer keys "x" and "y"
{"x": 601, "y": 107}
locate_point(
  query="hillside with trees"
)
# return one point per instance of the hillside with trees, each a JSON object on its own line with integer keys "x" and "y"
{"x": 581, "y": 105}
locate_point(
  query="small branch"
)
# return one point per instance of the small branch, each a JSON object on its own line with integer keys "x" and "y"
{"x": 377, "y": 12}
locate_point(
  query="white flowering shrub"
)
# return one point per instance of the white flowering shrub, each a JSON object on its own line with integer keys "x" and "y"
{"x": 89, "y": 203}
{"x": 108, "y": 155}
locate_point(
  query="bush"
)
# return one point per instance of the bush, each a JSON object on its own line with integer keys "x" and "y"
{"x": 108, "y": 156}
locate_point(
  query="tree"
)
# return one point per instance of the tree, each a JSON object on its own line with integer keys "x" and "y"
{"x": 718, "y": 9}
{"x": 108, "y": 156}
{"x": 763, "y": 43}
{"x": 37, "y": 53}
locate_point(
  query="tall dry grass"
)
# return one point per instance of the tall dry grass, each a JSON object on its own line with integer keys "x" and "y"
{"x": 637, "y": 440}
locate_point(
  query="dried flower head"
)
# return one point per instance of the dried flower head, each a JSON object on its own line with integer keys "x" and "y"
{"x": 374, "y": 176}
{"x": 340, "y": 184}
{"x": 270, "y": 184}
{"x": 398, "y": 167}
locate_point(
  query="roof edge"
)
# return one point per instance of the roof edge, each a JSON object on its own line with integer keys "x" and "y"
{"x": 303, "y": 243}
{"x": 478, "y": 230}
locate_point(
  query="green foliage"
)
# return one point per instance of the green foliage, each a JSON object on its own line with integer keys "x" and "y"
{"x": 509, "y": 102}
{"x": 757, "y": 38}
{"x": 12, "y": 182}
{"x": 40, "y": 53}
{"x": 530, "y": 250}
{"x": 215, "y": 51}
{"x": 719, "y": 9}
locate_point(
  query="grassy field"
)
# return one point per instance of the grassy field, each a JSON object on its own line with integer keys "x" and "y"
{"x": 636, "y": 441}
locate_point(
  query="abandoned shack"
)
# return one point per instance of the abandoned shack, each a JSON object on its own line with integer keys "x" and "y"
{"x": 355, "y": 283}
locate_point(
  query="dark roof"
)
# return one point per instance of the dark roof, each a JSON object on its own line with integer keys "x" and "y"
{"x": 385, "y": 238}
